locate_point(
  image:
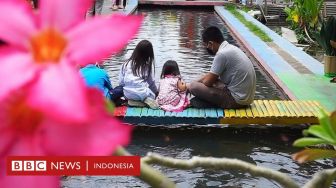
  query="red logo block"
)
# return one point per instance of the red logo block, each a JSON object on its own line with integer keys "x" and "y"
{"x": 55, "y": 166}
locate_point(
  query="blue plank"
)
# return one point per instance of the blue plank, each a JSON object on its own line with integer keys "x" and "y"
{"x": 202, "y": 113}
{"x": 179, "y": 114}
{"x": 197, "y": 112}
{"x": 162, "y": 113}
{"x": 185, "y": 113}
{"x": 193, "y": 112}
{"x": 189, "y": 112}
{"x": 156, "y": 113}
{"x": 133, "y": 112}
{"x": 150, "y": 112}
{"x": 211, "y": 113}
{"x": 144, "y": 112}
{"x": 220, "y": 112}
{"x": 174, "y": 114}
{"x": 207, "y": 112}
{"x": 168, "y": 114}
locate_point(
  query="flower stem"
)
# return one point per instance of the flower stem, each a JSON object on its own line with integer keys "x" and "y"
{"x": 221, "y": 164}
{"x": 322, "y": 179}
{"x": 148, "y": 174}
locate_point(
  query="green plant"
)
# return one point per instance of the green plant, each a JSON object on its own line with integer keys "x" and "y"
{"x": 304, "y": 13}
{"x": 327, "y": 34}
{"x": 304, "y": 16}
{"x": 325, "y": 133}
{"x": 245, "y": 8}
{"x": 250, "y": 25}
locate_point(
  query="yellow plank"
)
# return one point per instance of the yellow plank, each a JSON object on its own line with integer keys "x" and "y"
{"x": 320, "y": 107}
{"x": 232, "y": 113}
{"x": 260, "y": 104}
{"x": 238, "y": 114}
{"x": 315, "y": 109}
{"x": 300, "y": 105}
{"x": 275, "y": 109}
{"x": 269, "y": 108}
{"x": 296, "y": 110}
{"x": 289, "y": 108}
{"x": 226, "y": 113}
{"x": 242, "y": 113}
{"x": 309, "y": 107}
{"x": 261, "y": 113}
{"x": 269, "y": 120}
{"x": 282, "y": 109}
{"x": 249, "y": 113}
{"x": 254, "y": 110}
{"x": 317, "y": 104}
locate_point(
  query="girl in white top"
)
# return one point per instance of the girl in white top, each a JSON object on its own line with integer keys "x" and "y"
{"x": 136, "y": 76}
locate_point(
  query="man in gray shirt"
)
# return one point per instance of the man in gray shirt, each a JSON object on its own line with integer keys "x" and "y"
{"x": 231, "y": 81}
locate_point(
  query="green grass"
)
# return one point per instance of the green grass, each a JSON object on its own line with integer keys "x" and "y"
{"x": 253, "y": 28}
{"x": 245, "y": 9}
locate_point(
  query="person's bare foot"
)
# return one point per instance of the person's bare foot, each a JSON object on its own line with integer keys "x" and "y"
{"x": 114, "y": 7}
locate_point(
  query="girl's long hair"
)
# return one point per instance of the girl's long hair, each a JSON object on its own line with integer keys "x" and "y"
{"x": 170, "y": 68}
{"x": 142, "y": 59}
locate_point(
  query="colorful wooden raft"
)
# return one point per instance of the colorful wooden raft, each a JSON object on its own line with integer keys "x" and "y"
{"x": 280, "y": 112}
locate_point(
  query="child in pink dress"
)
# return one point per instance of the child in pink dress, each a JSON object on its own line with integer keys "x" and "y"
{"x": 172, "y": 91}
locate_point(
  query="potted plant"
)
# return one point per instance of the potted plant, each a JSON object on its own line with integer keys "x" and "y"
{"x": 324, "y": 38}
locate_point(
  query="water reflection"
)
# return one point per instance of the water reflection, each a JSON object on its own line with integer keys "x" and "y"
{"x": 263, "y": 147}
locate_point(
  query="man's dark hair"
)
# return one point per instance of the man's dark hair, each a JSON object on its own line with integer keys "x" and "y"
{"x": 212, "y": 34}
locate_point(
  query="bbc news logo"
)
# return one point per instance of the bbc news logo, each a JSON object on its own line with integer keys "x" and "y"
{"x": 29, "y": 166}
{"x": 101, "y": 165}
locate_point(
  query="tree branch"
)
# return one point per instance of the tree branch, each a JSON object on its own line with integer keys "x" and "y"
{"x": 322, "y": 179}
{"x": 223, "y": 164}
{"x": 149, "y": 175}
{"x": 310, "y": 40}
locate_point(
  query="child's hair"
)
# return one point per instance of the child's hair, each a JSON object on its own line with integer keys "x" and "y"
{"x": 170, "y": 68}
{"x": 142, "y": 59}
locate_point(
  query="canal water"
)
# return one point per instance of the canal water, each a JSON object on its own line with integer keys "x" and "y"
{"x": 176, "y": 35}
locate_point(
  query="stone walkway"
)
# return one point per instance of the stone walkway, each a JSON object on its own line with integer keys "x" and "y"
{"x": 130, "y": 7}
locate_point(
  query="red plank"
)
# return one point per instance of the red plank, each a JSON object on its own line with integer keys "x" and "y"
{"x": 120, "y": 111}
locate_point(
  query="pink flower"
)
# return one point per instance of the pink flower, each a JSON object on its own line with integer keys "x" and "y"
{"x": 45, "y": 47}
{"x": 25, "y": 131}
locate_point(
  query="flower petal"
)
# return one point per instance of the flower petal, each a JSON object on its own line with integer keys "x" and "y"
{"x": 17, "y": 23}
{"x": 59, "y": 93}
{"x": 100, "y": 136}
{"x": 97, "y": 138}
{"x": 100, "y": 37}
{"x": 62, "y": 14}
{"x": 30, "y": 181}
{"x": 25, "y": 145}
{"x": 6, "y": 140}
{"x": 16, "y": 71}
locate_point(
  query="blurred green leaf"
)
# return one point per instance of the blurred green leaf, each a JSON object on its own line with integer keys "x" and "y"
{"x": 109, "y": 106}
{"x": 305, "y": 132}
{"x": 313, "y": 154}
{"x": 325, "y": 122}
{"x": 302, "y": 142}
{"x": 320, "y": 132}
